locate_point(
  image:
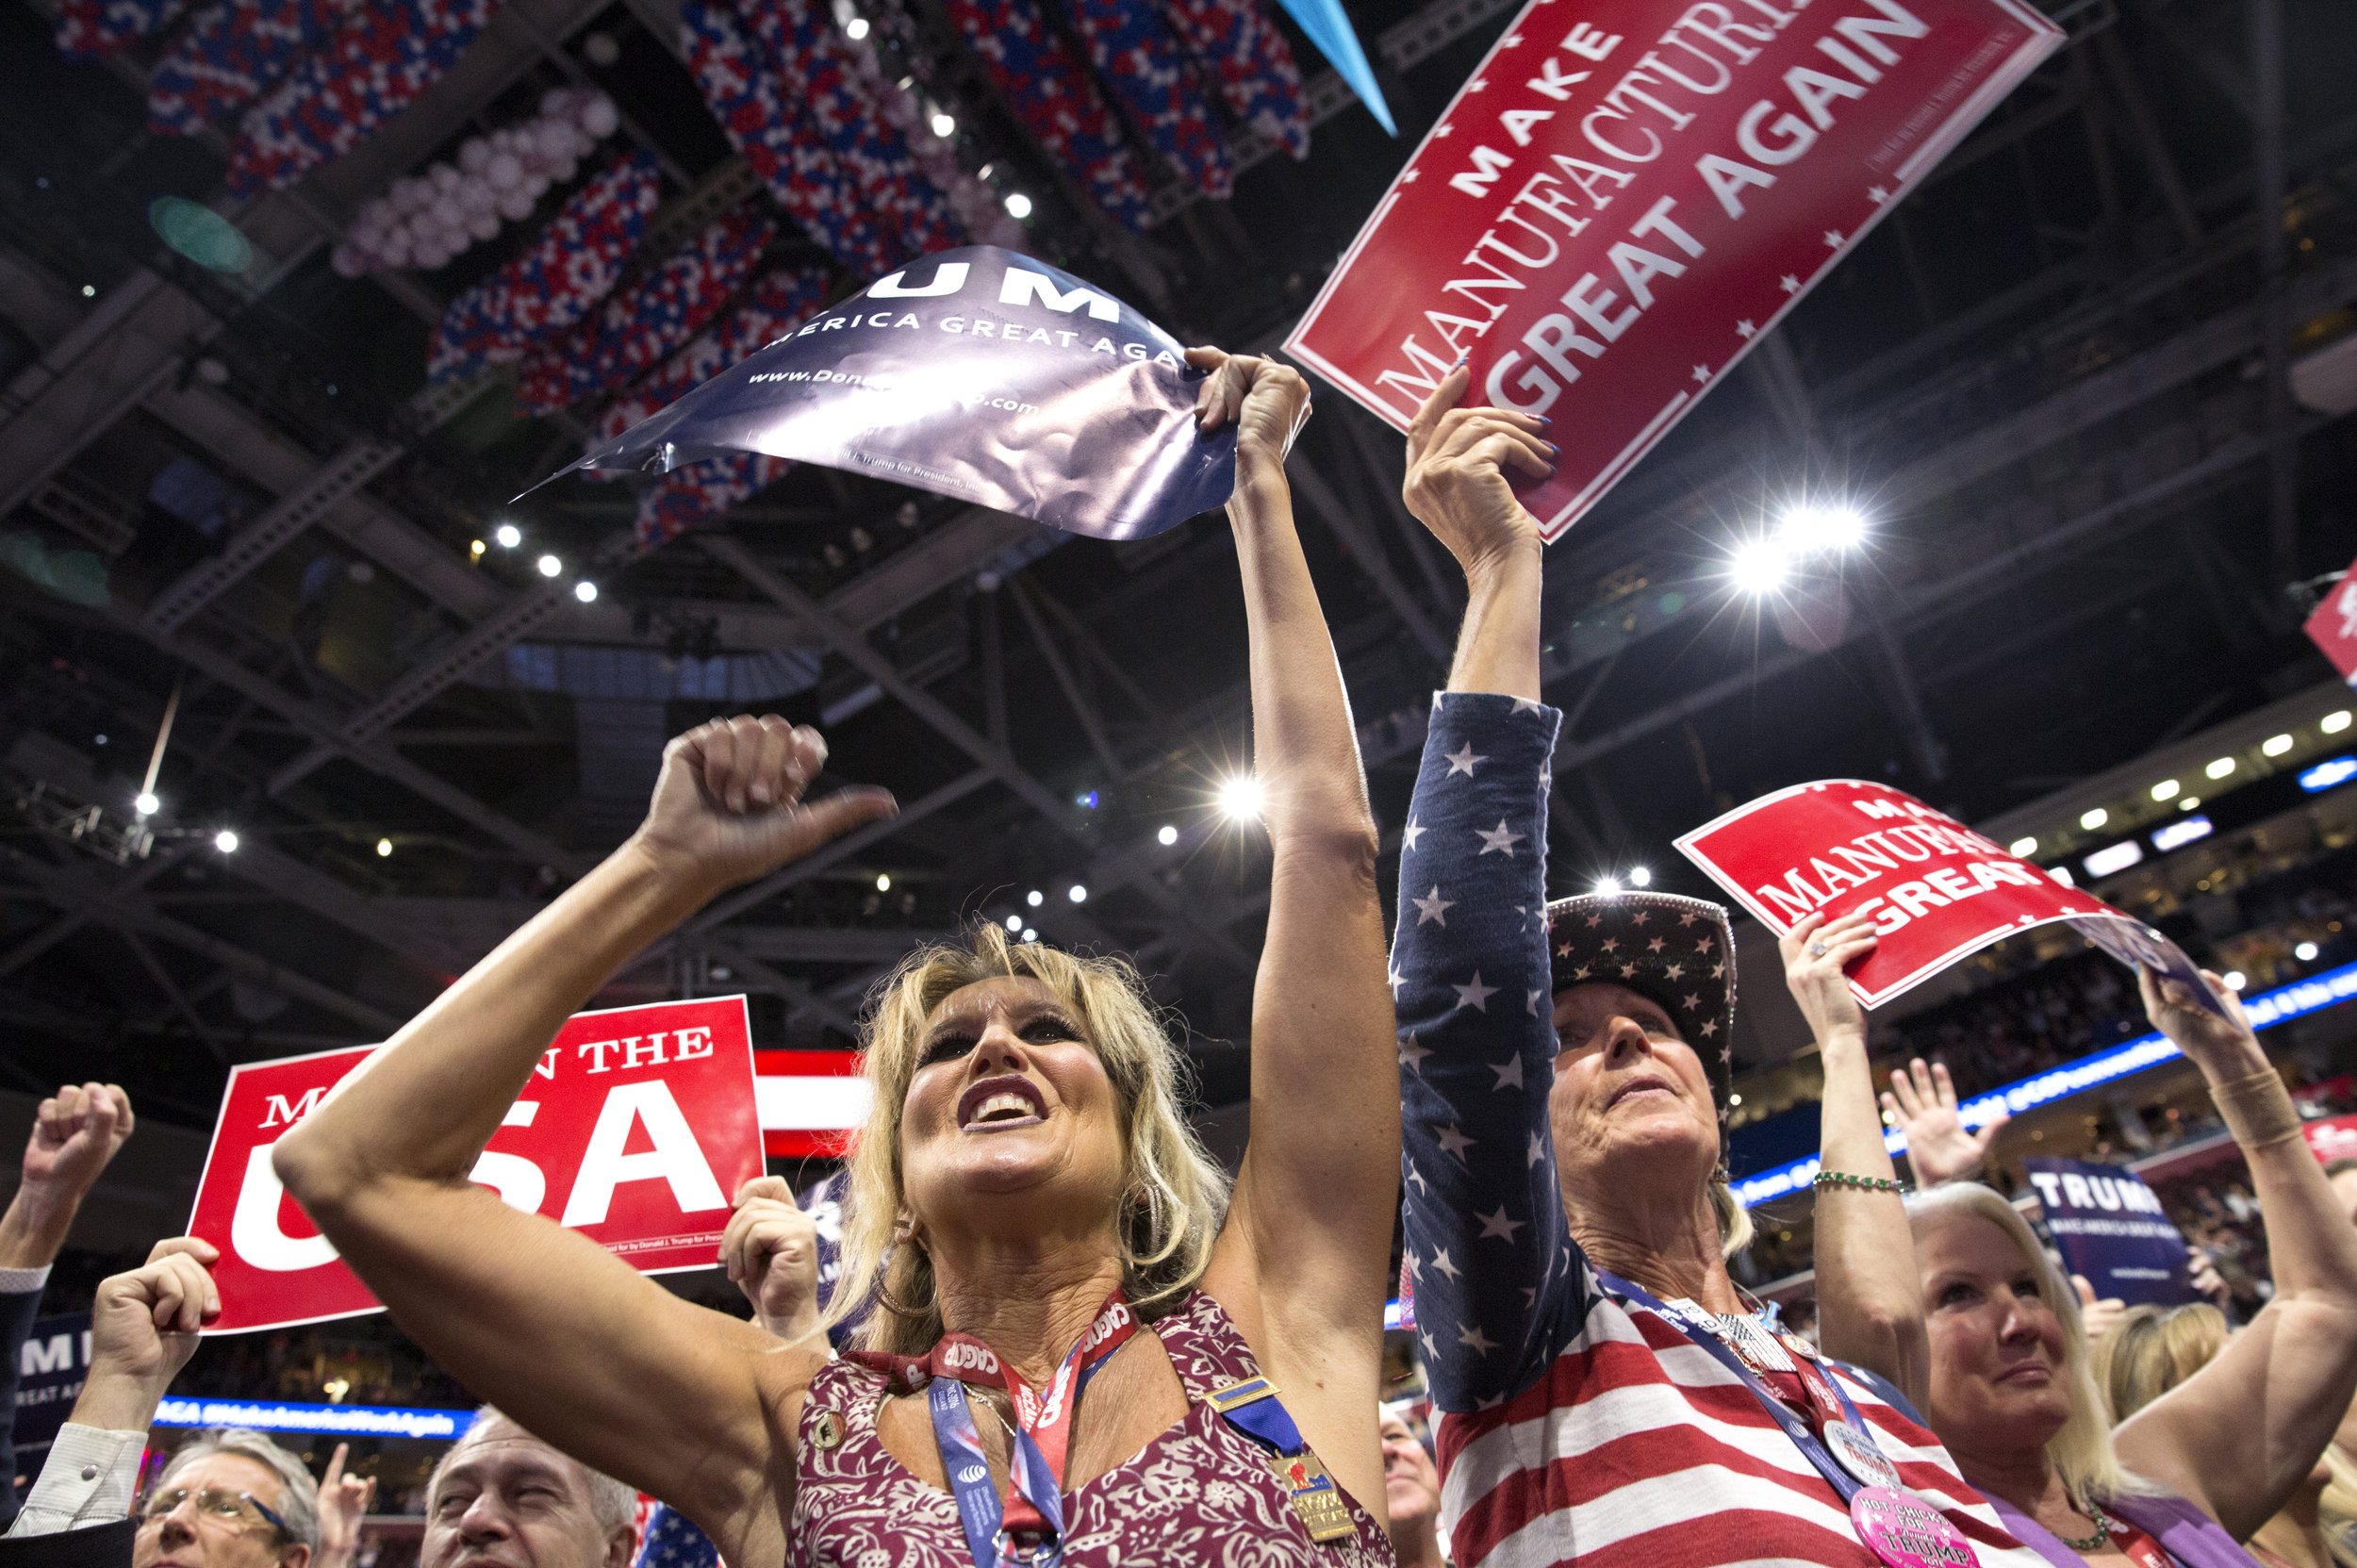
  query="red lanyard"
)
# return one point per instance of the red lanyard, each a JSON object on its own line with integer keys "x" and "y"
{"x": 1044, "y": 1420}
{"x": 2139, "y": 1544}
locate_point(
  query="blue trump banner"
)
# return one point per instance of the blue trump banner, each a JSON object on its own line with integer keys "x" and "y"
{"x": 977, "y": 373}
{"x": 2111, "y": 1228}
{"x": 51, "y": 1365}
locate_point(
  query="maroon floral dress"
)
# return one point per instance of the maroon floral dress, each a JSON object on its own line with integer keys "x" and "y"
{"x": 1199, "y": 1494}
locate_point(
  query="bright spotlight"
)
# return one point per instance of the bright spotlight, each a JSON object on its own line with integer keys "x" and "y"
{"x": 1240, "y": 797}
{"x": 1759, "y": 566}
{"x": 2277, "y": 745}
{"x": 551, "y": 566}
{"x": 1167, "y": 835}
{"x": 2219, "y": 769}
{"x": 856, "y": 29}
{"x": 586, "y": 591}
{"x": 1607, "y": 884}
{"x": 384, "y": 849}
{"x": 2305, "y": 952}
{"x": 1018, "y": 205}
{"x": 883, "y": 882}
{"x": 2333, "y": 723}
{"x": 145, "y": 804}
{"x": 2235, "y": 981}
{"x": 225, "y": 841}
{"x": 1029, "y": 935}
{"x": 1640, "y": 877}
{"x": 1014, "y": 923}
{"x": 945, "y": 125}
{"x": 2023, "y": 847}
{"x": 508, "y": 535}
{"x": 2094, "y": 819}
{"x": 475, "y": 549}
{"x": 1822, "y": 528}
{"x": 1035, "y": 898}
{"x": 1077, "y": 894}
{"x": 2168, "y": 790}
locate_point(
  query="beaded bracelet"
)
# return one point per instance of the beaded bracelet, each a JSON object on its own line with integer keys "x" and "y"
{"x": 1864, "y": 1183}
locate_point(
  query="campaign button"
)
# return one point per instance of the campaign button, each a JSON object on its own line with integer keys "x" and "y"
{"x": 1858, "y": 1454}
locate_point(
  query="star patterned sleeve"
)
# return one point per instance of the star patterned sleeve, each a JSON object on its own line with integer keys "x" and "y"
{"x": 1498, "y": 1286}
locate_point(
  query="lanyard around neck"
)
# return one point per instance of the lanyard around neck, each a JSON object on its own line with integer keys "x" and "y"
{"x": 1042, "y": 1437}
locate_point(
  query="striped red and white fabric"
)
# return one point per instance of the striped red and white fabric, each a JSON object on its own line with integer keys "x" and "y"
{"x": 1638, "y": 1449}
{"x": 810, "y": 1102}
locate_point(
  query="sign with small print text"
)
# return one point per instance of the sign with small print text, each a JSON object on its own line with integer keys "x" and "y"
{"x": 636, "y": 1127}
{"x": 1627, "y": 194}
{"x": 2113, "y": 1232}
{"x": 1939, "y": 892}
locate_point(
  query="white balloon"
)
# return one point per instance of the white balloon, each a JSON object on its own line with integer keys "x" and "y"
{"x": 553, "y": 138}
{"x": 515, "y": 206}
{"x": 473, "y": 155}
{"x": 348, "y": 261}
{"x": 537, "y": 187}
{"x": 396, "y": 251}
{"x": 475, "y": 196}
{"x": 564, "y": 168}
{"x": 555, "y": 101}
{"x": 504, "y": 173}
{"x": 484, "y": 225}
{"x": 445, "y": 178}
{"x": 446, "y": 215}
{"x": 601, "y": 119}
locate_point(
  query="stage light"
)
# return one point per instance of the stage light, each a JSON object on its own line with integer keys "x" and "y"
{"x": 225, "y": 841}
{"x": 1077, "y": 894}
{"x": 1758, "y": 565}
{"x": 2168, "y": 790}
{"x": 1029, "y": 935}
{"x": 1734, "y": 1099}
{"x": 2333, "y": 723}
{"x": 856, "y": 29}
{"x": 586, "y": 591}
{"x": 2189, "y": 802}
{"x": 508, "y": 535}
{"x": 2326, "y": 775}
{"x": 1086, "y": 800}
{"x": 2117, "y": 858}
{"x": 945, "y": 125}
{"x": 1035, "y": 898}
{"x": 2062, "y": 875}
{"x": 2235, "y": 981}
{"x": 89, "y": 290}
{"x": 384, "y": 849}
{"x": 1018, "y": 205}
{"x": 1640, "y": 877}
{"x": 1240, "y": 797}
{"x": 2219, "y": 769}
{"x": 1167, "y": 835}
{"x": 2094, "y": 819}
{"x": 475, "y": 549}
{"x": 1814, "y": 527}
{"x": 145, "y": 804}
{"x": 551, "y": 566}
{"x": 2277, "y": 745}
{"x": 2025, "y": 848}
{"x": 2305, "y": 952}
{"x": 1014, "y": 923}
{"x": 1607, "y": 884}
{"x": 2185, "y": 831}
{"x": 883, "y": 882}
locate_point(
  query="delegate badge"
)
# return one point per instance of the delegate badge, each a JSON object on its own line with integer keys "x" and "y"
{"x": 1859, "y": 1456}
{"x": 1904, "y": 1531}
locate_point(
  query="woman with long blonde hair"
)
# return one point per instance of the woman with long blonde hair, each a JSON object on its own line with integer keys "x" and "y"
{"x": 1088, "y": 1350}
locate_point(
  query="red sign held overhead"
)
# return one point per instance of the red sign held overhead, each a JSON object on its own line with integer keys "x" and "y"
{"x": 1627, "y": 193}
{"x": 2333, "y": 627}
{"x": 1937, "y": 891}
{"x": 636, "y": 1127}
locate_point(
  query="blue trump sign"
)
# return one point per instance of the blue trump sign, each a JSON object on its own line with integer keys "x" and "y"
{"x": 2111, "y": 1228}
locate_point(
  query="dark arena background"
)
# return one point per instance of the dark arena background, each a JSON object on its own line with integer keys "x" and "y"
{"x": 303, "y": 714}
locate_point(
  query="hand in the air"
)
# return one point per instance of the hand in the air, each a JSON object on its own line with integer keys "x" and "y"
{"x": 1267, "y": 401}
{"x": 143, "y": 1324}
{"x": 770, "y": 1248}
{"x": 1816, "y": 979}
{"x": 2206, "y": 1278}
{"x": 343, "y": 1503}
{"x": 1924, "y": 1102}
{"x": 2209, "y": 1040}
{"x": 2097, "y": 1317}
{"x": 75, "y": 1134}
{"x": 1457, "y": 485}
{"x": 727, "y": 805}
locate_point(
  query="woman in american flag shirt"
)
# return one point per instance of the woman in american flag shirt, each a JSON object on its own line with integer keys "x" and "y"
{"x": 1563, "y": 1080}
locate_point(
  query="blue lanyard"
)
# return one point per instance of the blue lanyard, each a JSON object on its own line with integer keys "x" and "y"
{"x": 980, "y": 1511}
{"x": 1804, "y": 1437}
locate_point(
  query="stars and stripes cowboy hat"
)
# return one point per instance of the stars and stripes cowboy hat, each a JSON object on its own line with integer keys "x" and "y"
{"x": 1677, "y": 951}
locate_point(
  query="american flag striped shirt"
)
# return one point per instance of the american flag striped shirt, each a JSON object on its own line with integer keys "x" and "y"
{"x": 1571, "y": 1425}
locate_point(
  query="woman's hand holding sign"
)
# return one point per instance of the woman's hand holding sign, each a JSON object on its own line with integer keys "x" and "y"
{"x": 727, "y": 805}
{"x": 1456, "y": 484}
{"x": 1266, "y": 400}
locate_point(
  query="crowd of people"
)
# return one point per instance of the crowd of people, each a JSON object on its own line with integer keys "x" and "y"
{"x": 1076, "y": 1339}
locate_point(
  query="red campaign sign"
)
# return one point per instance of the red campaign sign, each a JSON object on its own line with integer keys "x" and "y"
{"x": 1627, "y": 193}
{"x": 636, "y": 1129}
{"x": 2331, "y": 1138}
{"x": 2333, "y": 627}
{"x": 1938, "y": 890}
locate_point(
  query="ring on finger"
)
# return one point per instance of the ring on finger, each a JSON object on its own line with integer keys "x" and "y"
{"x": 1817, "y": 950}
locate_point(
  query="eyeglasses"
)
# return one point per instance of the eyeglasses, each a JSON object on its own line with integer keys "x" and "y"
{"x": 235, "y": 1510}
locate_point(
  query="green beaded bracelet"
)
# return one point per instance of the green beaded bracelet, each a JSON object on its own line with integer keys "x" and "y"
{"x": 1864, "y": 1183}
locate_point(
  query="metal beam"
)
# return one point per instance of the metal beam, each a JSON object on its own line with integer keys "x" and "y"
{"x": 2275, "y": 320}
{"x": 1073, "y": 697}
{"x": 1367, "y": 551}
{"x": 2150, "y": 142}
{"x": 151, "y": 867}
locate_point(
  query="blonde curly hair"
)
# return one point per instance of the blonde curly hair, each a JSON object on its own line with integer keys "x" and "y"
{"x": 1174, "y": 1193}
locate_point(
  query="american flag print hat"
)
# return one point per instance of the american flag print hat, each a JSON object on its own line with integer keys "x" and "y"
{"x": 1677, "y": 952}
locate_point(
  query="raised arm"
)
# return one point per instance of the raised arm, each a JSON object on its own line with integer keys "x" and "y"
{"x": 1497, "y": 1294}
{"x": 1300, "y": 1260}
{"x": 1870, "y": 1302}
{"x": 2281, "y": 1385}
{"x": 677, "y": 1400}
